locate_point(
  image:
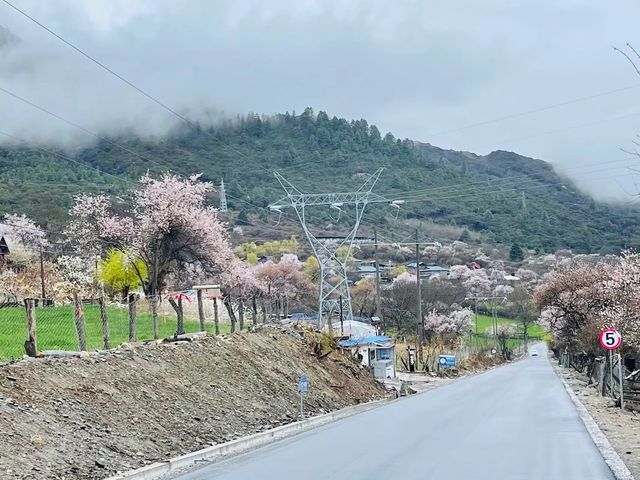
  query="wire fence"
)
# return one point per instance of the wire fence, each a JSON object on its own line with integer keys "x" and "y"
{"x": 95, "y": 323}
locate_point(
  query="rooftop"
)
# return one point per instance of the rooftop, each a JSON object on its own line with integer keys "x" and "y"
{"x": 354, "y": 342}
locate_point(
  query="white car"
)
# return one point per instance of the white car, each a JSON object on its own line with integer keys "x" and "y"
{"x": 534, "y": 353}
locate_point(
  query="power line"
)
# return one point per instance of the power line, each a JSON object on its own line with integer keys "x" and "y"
{"x": 50, "y": 152}
{"x": 535, "y": 110}
{"x": 571, "y": 127}
{"x": 100, "y": 64}
{"x": 115, "y": 74}
{"x": 75, "y": 125}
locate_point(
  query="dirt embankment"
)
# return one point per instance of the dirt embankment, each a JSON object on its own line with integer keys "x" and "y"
{"x": 91, "y": 417}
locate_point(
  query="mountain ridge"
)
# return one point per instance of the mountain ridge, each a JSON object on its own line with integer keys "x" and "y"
{"x": 502, "y": 196}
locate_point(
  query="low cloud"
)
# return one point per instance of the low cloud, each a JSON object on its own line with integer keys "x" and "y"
{"x": 413, "y": 68}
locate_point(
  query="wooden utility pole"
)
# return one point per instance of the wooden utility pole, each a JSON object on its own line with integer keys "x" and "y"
{"x": 378, "y": 300}
{"x": 419, "y": 305}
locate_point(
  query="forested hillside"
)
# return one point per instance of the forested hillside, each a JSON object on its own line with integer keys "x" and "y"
{"x": 503, "y": 196}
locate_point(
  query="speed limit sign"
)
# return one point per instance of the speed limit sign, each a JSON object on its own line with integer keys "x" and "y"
{"x": 610, "y": 338}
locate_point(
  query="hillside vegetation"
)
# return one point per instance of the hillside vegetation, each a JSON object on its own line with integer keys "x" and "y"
{"x": 504, "y": 197}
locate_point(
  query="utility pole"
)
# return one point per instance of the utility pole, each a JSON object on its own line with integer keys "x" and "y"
{"x": 419, "y": 306}
{"x": 378, "y": 301}
{"x": 43, "y": 291}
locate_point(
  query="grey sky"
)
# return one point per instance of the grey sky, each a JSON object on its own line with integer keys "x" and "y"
{"x": 416, "y": 68}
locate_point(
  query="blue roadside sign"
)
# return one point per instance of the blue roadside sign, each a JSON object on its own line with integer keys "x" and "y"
{"x": 447, "y": 360}
{"x": 303, "y": 384}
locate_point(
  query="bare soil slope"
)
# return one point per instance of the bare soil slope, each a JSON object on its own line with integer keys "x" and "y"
{"x": 91, "y": 417}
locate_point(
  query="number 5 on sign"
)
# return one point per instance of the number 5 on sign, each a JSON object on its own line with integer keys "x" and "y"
{"x": 610, "y": 338}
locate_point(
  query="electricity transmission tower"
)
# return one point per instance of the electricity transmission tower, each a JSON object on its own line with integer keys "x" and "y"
{"x": 333, "y": 267}
{"x": 223, "y": 197}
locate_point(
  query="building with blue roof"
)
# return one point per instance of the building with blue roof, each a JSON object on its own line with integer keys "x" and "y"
{"x": 376, "y": 352}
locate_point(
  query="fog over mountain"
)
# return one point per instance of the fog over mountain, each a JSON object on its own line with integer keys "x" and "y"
{"x": 436, "y": 73}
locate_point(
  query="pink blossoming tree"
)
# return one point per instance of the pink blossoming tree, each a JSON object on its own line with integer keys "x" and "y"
{"x": 168, "y": 226}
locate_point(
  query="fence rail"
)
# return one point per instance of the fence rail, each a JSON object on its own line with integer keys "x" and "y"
{"x": 604, "y": 373}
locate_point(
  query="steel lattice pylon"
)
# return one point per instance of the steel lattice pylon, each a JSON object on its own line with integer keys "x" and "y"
{"x": 333, "y": 271}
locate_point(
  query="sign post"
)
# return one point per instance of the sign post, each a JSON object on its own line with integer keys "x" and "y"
{"x": 445, "y": 361}
{"x": 610, "y": 339}
{"x": 303, "y": 388}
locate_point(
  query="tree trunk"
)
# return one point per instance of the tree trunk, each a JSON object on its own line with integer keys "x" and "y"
{"x": 216, "y": 319}
{"x": 132, "y": 317}
{"x": 104, "y": 320}
{"x": 241, "y": 314}
{"x": 200, "y": 311}
{"x": 79, "y": 323}
{"x": 153, "y": 301}
{"x": 179, "y": 314}
{"x": 526, "y": 337}
{"x": 254, "y": 311}
{"x": 232, "y": 315}
{"x": 264, "y": 310}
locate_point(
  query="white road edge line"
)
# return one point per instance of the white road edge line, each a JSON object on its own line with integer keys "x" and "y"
{"x": 611, "y": 457}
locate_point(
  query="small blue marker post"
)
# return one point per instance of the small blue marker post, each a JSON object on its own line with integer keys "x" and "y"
{"x": 303, "y": 388}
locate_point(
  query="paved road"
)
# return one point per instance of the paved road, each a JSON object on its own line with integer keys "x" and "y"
{"x": 513, "y": 423}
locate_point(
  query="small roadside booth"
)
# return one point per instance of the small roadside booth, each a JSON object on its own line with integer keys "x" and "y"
{"x": 376, "y": 352}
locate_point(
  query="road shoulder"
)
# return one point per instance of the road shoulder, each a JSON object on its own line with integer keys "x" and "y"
{"x": 616, "y": 421}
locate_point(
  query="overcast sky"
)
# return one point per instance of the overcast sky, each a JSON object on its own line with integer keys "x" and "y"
{"x": 420, "y": 69}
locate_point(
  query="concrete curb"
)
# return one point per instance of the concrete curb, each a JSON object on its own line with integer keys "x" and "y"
{"x": 611, "y": 457}
{"x": 244, "y": 444}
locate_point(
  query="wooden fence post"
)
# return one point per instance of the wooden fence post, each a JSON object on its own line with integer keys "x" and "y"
{"x": 78, "y": 316}
{"x": 241, "y": 313}
{"x": 132, "y": 317}
{"x": 104, "y": 320}
{"x": 216, "y": 318}
{"x": 200, "y": 309}
{"x": 154, "y": 315}
{"x": 31, "y": 346}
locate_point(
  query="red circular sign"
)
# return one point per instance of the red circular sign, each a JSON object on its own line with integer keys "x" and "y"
{"x": 610, "y": 338}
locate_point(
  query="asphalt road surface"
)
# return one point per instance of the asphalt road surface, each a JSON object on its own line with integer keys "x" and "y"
{"x": 514, "y": 422}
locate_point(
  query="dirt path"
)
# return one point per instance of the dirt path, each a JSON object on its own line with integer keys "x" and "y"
{"x": 621, "y": 428}
{"x": 91, "y": 417}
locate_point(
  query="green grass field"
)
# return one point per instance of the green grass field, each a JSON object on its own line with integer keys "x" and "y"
{"x": 55, "y": 328}
{"x": 485, "y": 322}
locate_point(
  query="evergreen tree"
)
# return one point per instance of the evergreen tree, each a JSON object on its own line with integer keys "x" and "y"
{"x": 516, "y": 254}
